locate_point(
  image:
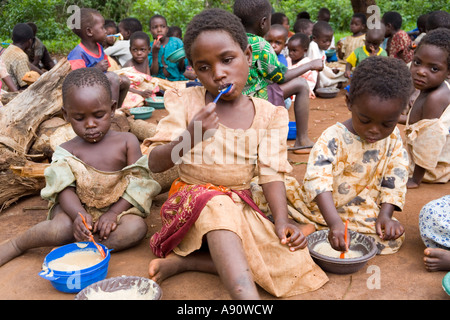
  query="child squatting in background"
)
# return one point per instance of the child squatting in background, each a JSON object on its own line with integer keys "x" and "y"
{"x": 113, "y": 193}
{"x": 211, "y": 202}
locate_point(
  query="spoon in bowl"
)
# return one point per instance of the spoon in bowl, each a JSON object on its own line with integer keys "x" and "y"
{"x": 100, "y": 249}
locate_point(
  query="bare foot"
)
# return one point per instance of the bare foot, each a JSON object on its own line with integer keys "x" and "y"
{"x": 160, "y": 269}
{"x": 437, "y": 259}
{"x": 8, "y": 251}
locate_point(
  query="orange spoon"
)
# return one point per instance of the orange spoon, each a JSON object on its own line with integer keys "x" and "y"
{"x": 342, "y": 256}
{"x": 100, "y": 249}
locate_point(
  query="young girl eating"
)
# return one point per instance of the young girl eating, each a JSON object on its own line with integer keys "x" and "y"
{"x": 113, "y": 193}
{"x": 428, "y": 121}
{"x": 357, "y": 170}
{"x": 219, "y": 147}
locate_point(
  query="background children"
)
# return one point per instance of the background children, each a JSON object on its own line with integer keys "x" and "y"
{"x": 112, "y": 192}
{"x": 15, "y": 58}
{"x": 111, "y": 29}
{"x": 210, "y": 189}
{"x": 304, "y": 26}
{"x": 38, "y": 54}
{"x": 89, "y": 53}
{"x": 428, "y": 121}
{"x": 120, "y": 50}
{"x": 161, "y": 47}
{"x": 138, "y": 71}
{"x": 348, "y": 44}
{"x": 399, "y": 43}
{"x": 373, "y": 39}
{"x": 438, "y": 19}
{"x": 277, "y": 37}
{"x": 357, "y": 170}
{"x": 298, "y": 45}
{"x": 5, "y": 78}
{"x": 268, "y": 78}
{"x": 324, "y": 14}
{"x": 321, "y": 39}
{"x": 434, "y": 225}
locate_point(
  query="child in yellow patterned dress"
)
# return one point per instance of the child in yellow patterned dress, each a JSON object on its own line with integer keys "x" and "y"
{"x": 357, "y": 170}
{"x": 100, "y": 174}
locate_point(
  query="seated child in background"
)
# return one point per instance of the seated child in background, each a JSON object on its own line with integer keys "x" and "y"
{"x": 399, "y": 43}
{"x": 358, "y": 169}
{"x": 373, "y": 39}
{"x": 434, "y": 226}
{"x": 438, "y": 19}
{"x": 113, "y": 193}
{"x": 120, "y": 50}
{"x": 324, "y": 14}
{"x": 421, "y": 29}
{"x": 212, "y": 195}
{"x": 349, "y": 44}
{"x": 428, "y": 121}
{"x": 175, "y": 31}
{"x": 298, "y": 45}
{"x": 321, "y": 40}
{"x": 304, "y": 26}
{"x": 5, "y": 78}
{"x": 277, "y": 37}
{"x": 268, "y": 78}
{"x": 38, "y": 54}
{"x": 281, "y": 18}
{"x": 111, "y": 29}
{"x": 15, "y": 58}
{"x": 161, "y": 47}
{"x": 90, "y": 54}
{"x": 138, "y": 71}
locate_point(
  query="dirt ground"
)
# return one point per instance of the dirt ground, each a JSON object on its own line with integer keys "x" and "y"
{"x": 401, "y": 276}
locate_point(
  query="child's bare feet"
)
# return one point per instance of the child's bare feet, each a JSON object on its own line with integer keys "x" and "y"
{"x": 162, "y": 268}
{"x": 437, "y": 259}
{"x": 8, "y": 251}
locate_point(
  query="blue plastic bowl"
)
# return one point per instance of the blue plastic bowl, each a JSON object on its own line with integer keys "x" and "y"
{"x": 158, "y": 103}
{"x": 292, "y": 134}
{"x": 75, "y": 281}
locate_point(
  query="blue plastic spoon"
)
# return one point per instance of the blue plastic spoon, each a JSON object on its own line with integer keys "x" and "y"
{"x": 221, "y": 92}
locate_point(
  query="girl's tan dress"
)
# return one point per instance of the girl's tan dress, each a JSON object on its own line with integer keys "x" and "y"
{"x": 231, "y": 158}
{"x": 428, "y": 145}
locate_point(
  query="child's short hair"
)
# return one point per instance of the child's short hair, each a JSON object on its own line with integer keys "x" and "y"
{"x": 86, "y": 20}
{"x": 131, "y": 24}
{"x": 252, "y": 11}
{"x": 85, "y": 77}
{"x": 361, "y": 16}
{"x": 21, "y": 33}
{"x": 278, "y": 17}
{"x": 439, "y": 38}
{"x": 140, "y": 35}
{"x": 383, "y": 77}
{"x": 214, "y": 19}
{"x": 302, "y": 38}
{"x": 394, "y": 18}
{"x": 110, "y": 24}
{"x": 156, "y": 16}
{"x": 280, "y": 28}
{"x": 302, "y": 24}
{"x": 321, "y": 27}
{"x": 438, "y": 19}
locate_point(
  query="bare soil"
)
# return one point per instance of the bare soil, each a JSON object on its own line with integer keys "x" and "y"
{"x": 394, "y": 277}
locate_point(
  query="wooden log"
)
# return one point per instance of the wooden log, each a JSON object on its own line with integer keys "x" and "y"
{"x": 19, "y": 121}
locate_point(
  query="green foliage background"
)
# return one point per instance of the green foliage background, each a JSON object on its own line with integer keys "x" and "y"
{"x": 50, "y": 16}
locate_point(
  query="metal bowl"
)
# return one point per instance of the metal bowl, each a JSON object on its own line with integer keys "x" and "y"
{"x": 359, "y": 242}
{"x": 122, "y": 288}
{"x": 327, "y": 92}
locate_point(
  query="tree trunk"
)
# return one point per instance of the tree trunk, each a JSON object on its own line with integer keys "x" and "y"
{"x": 361, "y": 5}
{"x": 19, "y": 120}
